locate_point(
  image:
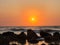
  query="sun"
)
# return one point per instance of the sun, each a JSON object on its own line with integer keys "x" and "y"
{"x": 33, "y": 19}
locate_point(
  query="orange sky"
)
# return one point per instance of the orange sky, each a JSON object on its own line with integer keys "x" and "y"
{"x": 21, "y": 12}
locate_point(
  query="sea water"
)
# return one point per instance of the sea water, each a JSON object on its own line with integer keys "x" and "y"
{"x": 34, "y": 28}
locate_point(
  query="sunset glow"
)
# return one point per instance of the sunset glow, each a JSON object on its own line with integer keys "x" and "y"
{"x": 29, "y": 12}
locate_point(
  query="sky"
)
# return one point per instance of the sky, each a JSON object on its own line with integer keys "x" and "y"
{"x": 21, "y": 12}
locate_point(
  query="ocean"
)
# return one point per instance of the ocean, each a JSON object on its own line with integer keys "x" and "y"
{"x": 36, "y": 29}
{"x": 25, "y": 28}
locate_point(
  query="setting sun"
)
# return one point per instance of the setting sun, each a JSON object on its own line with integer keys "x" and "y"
{"x": 33, "y": 19}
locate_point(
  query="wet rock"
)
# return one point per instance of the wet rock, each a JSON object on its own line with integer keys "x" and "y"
{"x": 22, "y": 38}
{"x": 8, "y": 37}
{"x": 56, "y": 38}
{"x": 31, "y": 36}
{"x": 48, "y": 37}
{"x": 43, "y": 44}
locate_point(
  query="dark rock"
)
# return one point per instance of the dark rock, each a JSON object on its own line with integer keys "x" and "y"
{"x": 51, "y": 44}
{"x": 8, "y": 37}
{"x": 13, "y": 44}
{"x": 31, "y": 36}
{"x": 46, "y": 36}
{"x": 43, "y": 44}
{"x": 56, "y": 38}
{"x": 22, "y": 38}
